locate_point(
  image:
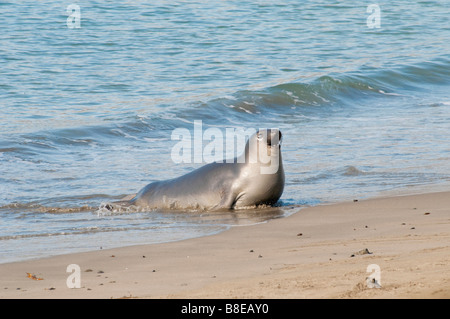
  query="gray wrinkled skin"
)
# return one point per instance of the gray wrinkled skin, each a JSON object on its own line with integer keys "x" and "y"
{"x": 248, "y": 181}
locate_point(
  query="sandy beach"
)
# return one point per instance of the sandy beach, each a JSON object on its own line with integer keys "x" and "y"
{"x": 318, "y": 252}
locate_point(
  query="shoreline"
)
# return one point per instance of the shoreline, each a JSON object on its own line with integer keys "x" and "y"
{"x": 318, "y": 252}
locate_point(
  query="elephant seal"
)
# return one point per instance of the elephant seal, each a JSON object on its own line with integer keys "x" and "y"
{"x": 254, "y": 178}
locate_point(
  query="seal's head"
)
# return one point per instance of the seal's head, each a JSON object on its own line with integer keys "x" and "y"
{"x": 264, "y": 148}
{"x": 272, "y": 137}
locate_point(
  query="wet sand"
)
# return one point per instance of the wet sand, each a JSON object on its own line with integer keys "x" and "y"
{"x": 318, "y": 252}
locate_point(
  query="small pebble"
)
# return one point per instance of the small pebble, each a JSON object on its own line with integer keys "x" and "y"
{"x": 364, "y": 251}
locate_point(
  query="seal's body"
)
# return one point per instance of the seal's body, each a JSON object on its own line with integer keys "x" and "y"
{"x": 254, "y": 178}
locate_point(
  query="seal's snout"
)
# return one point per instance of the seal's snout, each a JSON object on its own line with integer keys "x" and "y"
{"x": 274, "y": 137}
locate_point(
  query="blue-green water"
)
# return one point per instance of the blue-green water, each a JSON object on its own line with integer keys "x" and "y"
{"x": 87, "y": 113}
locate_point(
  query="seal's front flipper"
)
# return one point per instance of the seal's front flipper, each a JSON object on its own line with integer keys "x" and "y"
{"x": 227, "y": 202}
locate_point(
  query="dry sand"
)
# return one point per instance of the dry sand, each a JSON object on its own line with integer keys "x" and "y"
{"x": 314, "y": 253}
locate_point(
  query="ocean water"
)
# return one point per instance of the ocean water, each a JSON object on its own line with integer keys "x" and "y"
{"x": 87, "y": 111}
